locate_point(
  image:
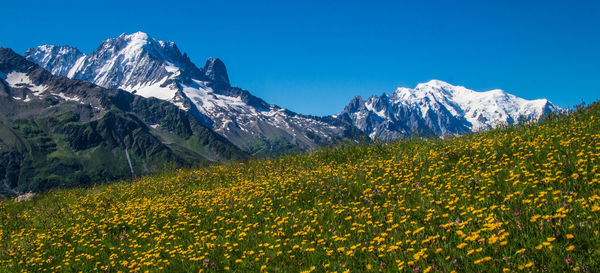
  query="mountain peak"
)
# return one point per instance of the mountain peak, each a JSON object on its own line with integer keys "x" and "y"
{"x": 139, "y": 35}
{"x": 133, "y": 62}
{"x": 432, "y": 87}
{"x": 355, "y": 104}
{"x": 131, "y": 44}
{"x": 434, "y": 83}
{"x": 215, "y": 70}
{"x": 137, "y": 43}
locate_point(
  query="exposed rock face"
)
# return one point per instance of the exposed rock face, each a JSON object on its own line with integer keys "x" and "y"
{"x": 215, "y": 71}
{"x": 24, "y": 197}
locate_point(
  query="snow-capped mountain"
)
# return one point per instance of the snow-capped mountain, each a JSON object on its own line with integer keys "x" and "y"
{"x": 439, "y": 108}
{"x": 60, "y": 58}
{"x": 136, "y": 63}
{"x": 150, "y": 67}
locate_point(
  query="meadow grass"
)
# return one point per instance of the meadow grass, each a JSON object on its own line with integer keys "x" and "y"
{"x": 523, "y": 198}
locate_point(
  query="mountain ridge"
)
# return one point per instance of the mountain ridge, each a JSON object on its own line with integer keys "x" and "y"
{"x": 433, "y": 108}
{"x": 59, "y": 132}
{"x": 439, "y": 108}
{"x": 153, "y": 68}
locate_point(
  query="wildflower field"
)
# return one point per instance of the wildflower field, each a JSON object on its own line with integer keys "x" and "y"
{"x": 521, "y": 199}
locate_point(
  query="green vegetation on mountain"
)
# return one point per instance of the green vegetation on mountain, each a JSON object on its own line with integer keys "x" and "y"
{"x": 75, "y": 133}
{"x": 523, "y": 198}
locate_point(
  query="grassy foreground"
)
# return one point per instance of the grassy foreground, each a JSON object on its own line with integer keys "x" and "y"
{"x": 515, "y": 199}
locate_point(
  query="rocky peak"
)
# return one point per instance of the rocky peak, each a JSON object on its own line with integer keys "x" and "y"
{"x": 356, "y": 104}
{"x": 215, "y": 71}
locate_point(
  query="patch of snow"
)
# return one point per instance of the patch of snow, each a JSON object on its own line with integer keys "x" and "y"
{"x": 180, "y": 105}
{"x": 14, "y": 79}
{"x": 38, "y": 89}
{"x": 225, "y": 124}
{"x": 207, "y": 101}
{"x": 77, "y": 66}
{"x": 153, "y": 90}
{"x": 20, "y": 79}
{"x": 67, "y": 98}
{"x": 171, "y": 68}
{"x": 369, "y": 107}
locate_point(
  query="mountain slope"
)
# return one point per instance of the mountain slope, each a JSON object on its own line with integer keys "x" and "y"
{"x": 516, "y": 199}
{"x": 153, "y": 68}
{"x": 439, "y": 108}
{"x": 62, "y": 132}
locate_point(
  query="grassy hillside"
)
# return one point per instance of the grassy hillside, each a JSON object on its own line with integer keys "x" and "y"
{"x": 516, "y": 199}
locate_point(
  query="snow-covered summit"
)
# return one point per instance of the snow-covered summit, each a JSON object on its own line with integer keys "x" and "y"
{"x": 138, "y": 35}
{"x": 437, "y": 107}
{"x": 134, "y": 62}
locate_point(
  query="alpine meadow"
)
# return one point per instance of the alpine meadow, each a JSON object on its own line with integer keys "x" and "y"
{"x": 514, "y": 199}
{"x": 299, "y": 136}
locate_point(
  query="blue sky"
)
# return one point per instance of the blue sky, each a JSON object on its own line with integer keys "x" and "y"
{"x": 314, "y": 56}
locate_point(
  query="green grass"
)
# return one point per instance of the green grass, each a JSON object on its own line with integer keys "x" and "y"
{"x": 522, "y": 198}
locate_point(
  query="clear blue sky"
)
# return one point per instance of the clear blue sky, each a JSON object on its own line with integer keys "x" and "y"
{"x": 313, "y": 57}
